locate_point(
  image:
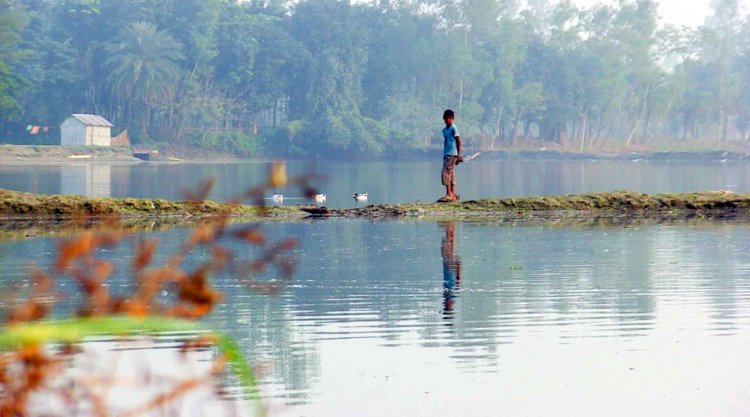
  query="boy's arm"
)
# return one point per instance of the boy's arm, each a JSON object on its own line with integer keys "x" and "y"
{"x": 458, "y": 147}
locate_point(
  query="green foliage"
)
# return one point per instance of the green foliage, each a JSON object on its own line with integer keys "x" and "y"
{"x": 288, "y": 140}
{"x": 377, "y": 137}
{"x": 361, "y": 79}
{"x": 13, "y": 19}
{"x": 413, "y": 122}
{"x": 144, "y": 64}
{"x": 236, "y": 143}
{"x": 76, "y": 330}
{"x": 334, "y": 135}
{"x": 334, "y": 129}
{"x": 335, "y": 36}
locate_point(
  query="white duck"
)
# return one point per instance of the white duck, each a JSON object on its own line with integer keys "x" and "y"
{"x": 320, "y": 198}
{"x": 360, "y": 196}
{"x": 278, "y": 198}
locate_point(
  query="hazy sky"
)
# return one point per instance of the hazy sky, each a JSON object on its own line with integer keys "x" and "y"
{"x": 677, "y": 12}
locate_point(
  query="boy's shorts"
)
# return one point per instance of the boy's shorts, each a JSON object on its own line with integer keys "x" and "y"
{"x": 449, "y": 173}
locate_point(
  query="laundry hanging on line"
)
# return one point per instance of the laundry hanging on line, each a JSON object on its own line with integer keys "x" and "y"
{"x": 34, "y": 129}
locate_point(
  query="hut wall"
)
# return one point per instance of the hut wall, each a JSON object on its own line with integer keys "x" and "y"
{"x": 72, "y": 133}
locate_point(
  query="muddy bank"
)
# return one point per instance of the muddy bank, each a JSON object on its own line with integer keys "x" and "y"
{"x": 25, "y": 154}
{"x": 56, "y": 154}
{"x": 24, "y": 215}
{"x": 15, "y": 204}
{"x": 621, "y": 201}
{"x": 20, "y": 205}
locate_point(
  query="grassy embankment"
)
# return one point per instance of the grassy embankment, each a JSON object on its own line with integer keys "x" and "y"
{"x": 27, "y": 214}
{"x": 15, "y": 204}
{"x": 54, "y": 153}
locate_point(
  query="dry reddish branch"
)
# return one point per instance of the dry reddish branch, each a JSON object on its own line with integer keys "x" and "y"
{"x": 181, "y": 389}
{"x": 36, "y": 306}
{"x": 21, "y": 373}
{"x": 201, "y": 193}
{"x": 26, "y": 370}
{"x": 144, "y": 253}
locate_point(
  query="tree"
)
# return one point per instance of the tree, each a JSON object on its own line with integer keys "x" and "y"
{"x": 742, "y": 69}
{"x": 328, "y": 90}
{"x": 695, "y": 99}
{"x": 359, "y": 78}
{"x": 335, "y": 39}
{"x": 144, "y": 66}
{"x": 721, "y": 38}
{"x": 505, "y": 51}
{"x": 12, "y": 21}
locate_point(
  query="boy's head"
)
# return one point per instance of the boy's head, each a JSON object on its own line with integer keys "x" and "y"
{"x": 448, "y": 116}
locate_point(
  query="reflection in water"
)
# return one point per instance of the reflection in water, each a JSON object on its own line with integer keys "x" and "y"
{"x": 573, "y": 304}
{"x": 273, "y": 339}
{"x": 451, "y": 269}
{"x": 138, "y": 376}
{"x": 615, "y": 321}
{"x": 90, "y": 180}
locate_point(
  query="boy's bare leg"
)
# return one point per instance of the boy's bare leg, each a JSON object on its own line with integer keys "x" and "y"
{"x": 451, "y": 191}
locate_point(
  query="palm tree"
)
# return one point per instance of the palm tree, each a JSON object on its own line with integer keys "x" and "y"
{"x": 144, "y": 68}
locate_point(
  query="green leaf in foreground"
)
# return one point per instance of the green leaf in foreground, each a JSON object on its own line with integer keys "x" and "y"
{"x": 77, "y": 330}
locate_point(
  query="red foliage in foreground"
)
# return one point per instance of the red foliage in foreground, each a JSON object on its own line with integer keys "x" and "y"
{"x": 78, "y": 260}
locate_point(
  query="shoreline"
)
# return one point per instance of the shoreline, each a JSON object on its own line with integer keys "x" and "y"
{"x": 22, "y": 205}
{"x": 24, "y": 155}
{"x": 25, "y": 215}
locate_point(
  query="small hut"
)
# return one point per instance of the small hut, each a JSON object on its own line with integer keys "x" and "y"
{"x": 86, "y": 129}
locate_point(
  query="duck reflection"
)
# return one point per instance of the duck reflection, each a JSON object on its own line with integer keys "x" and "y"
{"x": 451, "y": 269}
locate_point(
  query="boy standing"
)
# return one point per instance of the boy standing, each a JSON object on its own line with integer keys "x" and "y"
{"x": 451, "y": 157}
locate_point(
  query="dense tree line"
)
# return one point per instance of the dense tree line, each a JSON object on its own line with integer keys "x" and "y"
{"x": 330, "y": 77}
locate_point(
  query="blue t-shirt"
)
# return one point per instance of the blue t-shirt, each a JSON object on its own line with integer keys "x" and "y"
{"x": 449, "y": 146}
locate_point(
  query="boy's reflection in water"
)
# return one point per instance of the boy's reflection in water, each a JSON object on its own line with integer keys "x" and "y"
{"x": 451, "y": 269}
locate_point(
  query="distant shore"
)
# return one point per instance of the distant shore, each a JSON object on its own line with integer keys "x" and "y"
{"x": 47, "y": 154}
{"x": 54, "y": 155}
{"x": 51, "y": 154}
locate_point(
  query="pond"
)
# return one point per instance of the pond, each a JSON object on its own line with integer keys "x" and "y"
{"x": 384, "y": 182}
{"x": 421, "y": 318}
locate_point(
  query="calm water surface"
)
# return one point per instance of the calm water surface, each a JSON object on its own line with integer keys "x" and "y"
{"x": 385, "y": 182}
{"x": 475, "y": 319}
